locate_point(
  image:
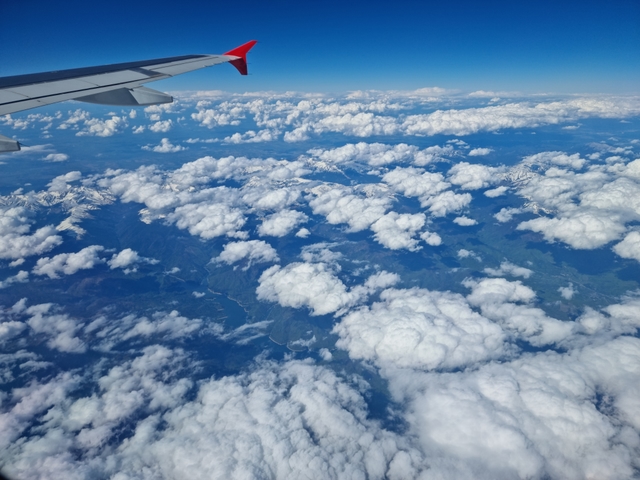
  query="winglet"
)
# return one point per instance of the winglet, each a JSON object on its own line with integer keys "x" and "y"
{"x": 241, "y": 51}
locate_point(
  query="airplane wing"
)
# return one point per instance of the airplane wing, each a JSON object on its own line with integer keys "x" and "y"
{"x": 117, "y": 84}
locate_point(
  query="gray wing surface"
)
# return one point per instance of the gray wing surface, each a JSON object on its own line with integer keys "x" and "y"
{"x": 117, "y": 84}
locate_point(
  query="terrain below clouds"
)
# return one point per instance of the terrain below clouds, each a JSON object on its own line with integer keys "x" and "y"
{"x": 381, "y": 285}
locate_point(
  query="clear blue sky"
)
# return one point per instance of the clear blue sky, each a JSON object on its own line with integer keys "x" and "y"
{"x": 530, "y": 46}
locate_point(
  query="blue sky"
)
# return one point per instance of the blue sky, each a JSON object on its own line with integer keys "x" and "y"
{"x": 532, "y": 47}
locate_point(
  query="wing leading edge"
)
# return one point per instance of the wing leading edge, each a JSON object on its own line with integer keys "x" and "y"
{"x": 117, "y": 84}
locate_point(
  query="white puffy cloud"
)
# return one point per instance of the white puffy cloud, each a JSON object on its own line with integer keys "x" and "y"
{"x": 585, "y": 210}
{"x": 61, "y": 182}
{"x": 124, "y": 258}
{"x": 473, "y": 176}
{"x": 56, "y": 157}
{"x": 567, "y": 292}
{"x": 293, "y": 420}
{"x": 496, "y": 192}
{"x": 479, "y": 152}
{"x": 629, "y": 247}
{"x": 374, "y": 154}
{"x": 256, "y": 251}
{"x": 464, "y": 253}
{"x": 507, "y": 303}
{"x": 221, "y": 116}
{"x": 508, "y": 268}
{"x": 160, "y": 325}
{"x": 60, "y": 330}
{"x": 312, "y": 285}
{"x": 128, "y": 258}
{"x": 420, "y": 329}
{"x": 414, "y": 182}
{"x": 396, "y": 231}
{"x": 165, "y": 146}
{"x": 549, "y": 415}
{"x": 583, "y": 230}
{"x": 431, "y": 238}
{"x": 303, "y": 233}
{"x": 281, "y": 223}
{"x": 74, "y": 119}
{"x": 69, "y": 263}
{"x": 15, "y": 243}
{"x": 557, "y": 158}
{"x": 514, "y": 115}
{"x": 209, "y": 220}
{"x": 446, "y": 202}
{"x": 251, "y": 136}
{"x": 430, "y": 188}
{"x": 265, "y": 198}
{"x": 21, "y": 277}
{"x": 161, "y": 126}
{"x": 103, "y": 128}
{"x": 340, "y": 205}
{"x": 465, "y": 221}
{"x": 506, "y": 214}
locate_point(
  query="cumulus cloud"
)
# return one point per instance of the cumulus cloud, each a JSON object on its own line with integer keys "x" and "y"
{"x": 255, "y": 251}
{"x": 542, "y": 413}
{"x": 567, "y": 292}
{"x": 56, "y": 157}
{"x": 557, "y": 158}
{"x": 316, "y": 286}
{"x": 252, "y": 136}
{"x": 209, "y": 220}
{"x": 583, "y": 230}
{"x": 585, "y": 210}
{"x": 265, "y": 198}
{"x": 430, "y": 188}
{"x": 312, "y": 285}
{"x": 629, "y": 247}
{"x": 396, "y": 231}
{"x": 513, "y": 115}
{"x": 374, "y": 154}
{"x": 464, "y": 253}
{"x": 161, "y": 126}
{"x": 21, "y": 277}
{"x": 508, "y": 268}
{"x": 225, "y": 115}
{"x": 127, "y": 259}
{"x": 420, "y": 329}
{"x": 281, "y": 223}
{"x": 61, "y": 182}
{"x": 431, "y": 238}
{"x": 479, "y": 152}
{"x": 41, "y": 323}
{"x": 507, "y": 303}
{"x": 303, "y": 233}
{"x": 447, "y": 202}
{"x": 340, "y": 205}
{"x": 165, "y": 147}
{"x": 414, "y": 182}
{"x": 496, "y": 192}
{"x": 465, "y": 221}
{"x": 473, "y": 176}
{"x": 16, "y": 243}
{"x": 103, "y": 128}
{"x": 288, "y": 421}
{"x": 506, "y": 214}
{"x": 69, "y": 263}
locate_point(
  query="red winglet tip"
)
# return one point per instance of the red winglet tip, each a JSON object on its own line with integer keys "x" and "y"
{"x": 242, "y": 50}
